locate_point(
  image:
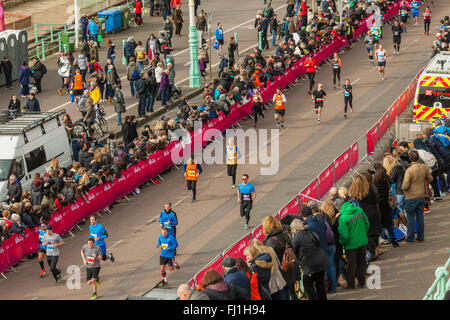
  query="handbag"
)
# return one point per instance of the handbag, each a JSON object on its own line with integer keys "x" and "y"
{"x": 289, "y": 259}
{"x": 216, "y": 44}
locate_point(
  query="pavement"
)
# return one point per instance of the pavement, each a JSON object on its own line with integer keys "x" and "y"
{"x": 212, "y": 223}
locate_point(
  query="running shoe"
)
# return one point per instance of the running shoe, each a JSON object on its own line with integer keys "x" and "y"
{"x": 424, "y": 33}
{"x": 339, "y": 84}
{"x": 334, "y": 86}
{"x": 94, "y": 296}
{"x": 382, "y": 78}
{"x": 233, "y": 186}
{"x": 111, "y": 257}
{"x": 177, "y": 266}
{"x": 60, "y": 92}
{"x": 246, "y": 227}
{"x": 443, "y": 194}
{"x": 345, "y": 115}
{"x": 318, "y": 121}
{"x": 58, "y": 278}
{"x": 427, "y": 210}
{"x": 434, "y": 199}
{"x": 351, "y": 109}
{"x": 282, "y": 126}
{"x": 165, "y": 283}
{"x": 43, "y": 273}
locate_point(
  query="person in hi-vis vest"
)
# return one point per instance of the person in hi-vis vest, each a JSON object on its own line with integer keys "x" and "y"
{"x": 279, "y": 99}
{"x": 191, "y": 172}
{"x": 232, "y": 154}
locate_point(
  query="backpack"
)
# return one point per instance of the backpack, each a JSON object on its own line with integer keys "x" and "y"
{"x": 136, "y": 74}
{"x": 141, "y": 54}
{"x": 91, "y": 68}
{"x": 267, "y": 12}
{"x": 330, "y": 233}
{"x": 289, "y": 259}
{"x": 44, "y": 68}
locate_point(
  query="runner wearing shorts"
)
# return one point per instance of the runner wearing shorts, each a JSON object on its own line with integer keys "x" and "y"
{"x": 318, "y": 97}
{"x": 415, "y": 5}
{"x": 168, "y": 245}
{"x": 52, "y": 241}
{"x": 381, "y": 54}
{"x": 246, "y": 194}
{"x": 279, "y": 99}
{"x": 397, "y": 36}
{"x": 92, "y": 255}
{"x": 42, "y": 248}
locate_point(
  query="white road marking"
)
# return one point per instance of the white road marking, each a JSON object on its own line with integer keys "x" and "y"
{"x": 180, "y": 201}
{"x": 306, "y": 115}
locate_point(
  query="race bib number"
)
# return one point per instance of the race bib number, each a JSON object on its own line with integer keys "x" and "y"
{"x": 50, "y": 247}
{"x": 319, "y": 100}
{"x": 90, "y": 260}
{"x": 396, "y": 33}
{"x": 191, "y": 173}
{"x": 93, "y": 235}
{"x": 246, "y": 197}
{"x": 336, "y": 66}
{"x": 164, "y": 246}
{"x": 278, "y": 103}
{"x": 346, "y": 93}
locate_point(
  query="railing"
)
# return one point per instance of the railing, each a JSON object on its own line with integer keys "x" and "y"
{"x": 441, "y": 285}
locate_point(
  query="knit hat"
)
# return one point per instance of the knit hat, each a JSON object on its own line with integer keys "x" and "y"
{"x": 306, "y": 212}
{"x": 229, "y": 262}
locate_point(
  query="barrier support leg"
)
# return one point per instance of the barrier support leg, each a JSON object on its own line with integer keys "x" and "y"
{"x": 12, "y": 268}
{"x": 126, "y": 198}
{"x": 160, "y": 177}
{"x": 70, "y": 232}
{"x": 107, "y": 210}
{"x": 3, "y": 275}
{"x": 79, "y": 227}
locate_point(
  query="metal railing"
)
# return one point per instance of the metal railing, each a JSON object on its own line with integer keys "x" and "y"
{"x": 441, "y": 285}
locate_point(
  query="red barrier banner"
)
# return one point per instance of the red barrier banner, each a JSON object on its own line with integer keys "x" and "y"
{"x": 403, "y": 102}
{"x": 372, "y": 139}
{"x": 342, "y": 165}
{"x": 392, "y": 11}
{"x": 215, "y": 265}
{"x": 393, "y": 112}
{"x": 363, "y": 26}
{"x": 290, "y": 208}
{"x": 383, "y": 124}
{"x": 326, "y": 180}
{"x": 355, "y": 154}
{"x": 191, "y": 284}
{"x": 237, "y": 250}
{"x": 412, "y": 91}
{"x": 258, "y": 233}
{"x": 309, "y": 193}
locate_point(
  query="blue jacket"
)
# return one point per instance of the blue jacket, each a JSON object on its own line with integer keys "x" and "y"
{"x": 239, "y": 279}
{"x": 219, "y": 34}
{"x": 318, "y": 226}
{"x": 169, "y": 245}
{"x": 33, "y": 105}
{"x": 98, "y": 231}
{"x": 93, "y": 28}
{"x": 128, "y": 49}
{"x": 164, "y": 217}
{"x": 24, "y": 76}
{"x": 435, "y": 144}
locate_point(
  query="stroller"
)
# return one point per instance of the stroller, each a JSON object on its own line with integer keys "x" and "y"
{"x": 164, "y": 38}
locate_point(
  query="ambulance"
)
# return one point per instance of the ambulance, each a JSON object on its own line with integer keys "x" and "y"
{"x": 432, "y": 99}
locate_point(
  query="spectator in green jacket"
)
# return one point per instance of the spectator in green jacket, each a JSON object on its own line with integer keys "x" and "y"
{"x": 353, "y": 227}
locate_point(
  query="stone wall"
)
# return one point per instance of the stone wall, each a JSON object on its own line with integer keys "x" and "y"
{"x": 12, "y": 3}
{"x": 20, "y": 21}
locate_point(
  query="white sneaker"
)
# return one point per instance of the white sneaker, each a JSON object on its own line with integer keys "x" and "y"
{"x": 246, "y": 227}
{"x": 382, "y": 78}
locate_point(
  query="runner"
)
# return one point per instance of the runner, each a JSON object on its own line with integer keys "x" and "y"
{"x": 427, "y": 20}
{"x": 310, "y": 65}
{"x": 336, "y": 70}
{"x": 415, "y": 5}
{"x": 52, "y": 241}
{"x": 376, "y": 33}
{"x": 42, "y": 248}
{"x": 280, "y": 100}
{"x": 381, "y": 55}
{"x": 168, "y": 245}
{"x": 91, "y": 255}
{"x": 232, "y": 155}
{"x": 369, "y": 41}
{"x": 168, "y": 219}
{"x": 318, "y": 97}
{"x": 191, "y": 172}
{"x": 99, "y": 233}
{"x": 403, "y": 12}
{"x": 246, "y": 195}
{"x": 257, "y": 106}
{"x": 77, "y": 85}
{"x": 397, "y": 36}
{"x": 348, "y": 96}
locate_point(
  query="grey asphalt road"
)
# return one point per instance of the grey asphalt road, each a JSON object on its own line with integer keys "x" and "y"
{"x": 210, "y": 225}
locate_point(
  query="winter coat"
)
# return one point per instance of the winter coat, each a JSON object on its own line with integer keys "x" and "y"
{"x": 177, "y": 16}
{"x": 385, "y": 210}
{"x": 397, "y": 175}
{"x": 64, "y": 67}
{"x": 33, "y": 105}
{"x": 221, "y": 291}
{"x": 202, "y": 24}
{"x": 141, "y": 88}
{"x": 278, "y": 247}
{"x": 37, "y": 73}
{"x": 239, "y": 279}
{"x": 24, "y": 76}
{"x": 130, "y": 69}
{"x": 82, "y": 62}
{"x": 369, "y": 207}
{"x": 93, "y": 28}
{"x": 262, "y": 266}
{"x": 165, "y": 5}
{"x": 198, "y": 295}
{"x": 152, "y": 86}
{"x": 6, "y": 67}
{"x": 15, "y": 192}
{"x": 436, "y": 144}
{"x": 416, "y": 178}
{"x": 319, "y": 227}
{"x": 85, "y": 158}
{"x": 158, "y": 74}
{"x": 119, "y": 101}
{"x": 129, "y": 48}
{"x": 310, "y": 255}
{"x": 353, "y": 227}
{"x": 165, "y": 83}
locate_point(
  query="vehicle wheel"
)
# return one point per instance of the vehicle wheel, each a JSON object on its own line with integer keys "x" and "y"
{"x": 103, "y": 124}
{"x": 98, "y": 129}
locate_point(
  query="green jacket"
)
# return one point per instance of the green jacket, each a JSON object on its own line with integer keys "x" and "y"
{"x": 353, "y": 227}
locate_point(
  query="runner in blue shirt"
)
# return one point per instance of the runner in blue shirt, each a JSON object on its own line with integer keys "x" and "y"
{"x": 42, "y": 248}
{"x": 99, "y": 233}
{"x": 219, "y": 36}
{"x": 168, "y": 246}
{"x": 168, "y": 219}
{"x": 246, "y": 195}
{"x": 415, "y": 5}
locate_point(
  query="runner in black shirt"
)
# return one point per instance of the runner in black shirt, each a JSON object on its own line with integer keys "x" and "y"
{"x": 397, "y": 34}
{"x": 348, "y": 96}
{"x": 318, "y": 97}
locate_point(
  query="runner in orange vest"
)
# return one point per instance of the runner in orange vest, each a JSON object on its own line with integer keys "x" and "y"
{"x": 191, "y": 172}
{"x": 77, "y": 85}
{"x": 280, "y": 100}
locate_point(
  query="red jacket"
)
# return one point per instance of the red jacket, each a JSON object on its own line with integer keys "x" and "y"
{"x": 310, "y": 65}
{"x": 138, "y": 7}
{"x": 174, "y": 3}
{"x": 304, "y": 9}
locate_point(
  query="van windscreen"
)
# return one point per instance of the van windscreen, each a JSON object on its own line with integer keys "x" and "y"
{"x": 5, "y": 166}
{"x": 428, "y": 96}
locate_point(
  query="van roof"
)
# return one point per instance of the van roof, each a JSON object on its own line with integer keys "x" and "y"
{"x": 440, "y": 64}
{"x": 27, "y": 121}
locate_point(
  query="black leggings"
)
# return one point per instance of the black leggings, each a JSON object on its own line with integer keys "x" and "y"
{"x": 314, "y": 285}
{"x": 246, "y": 206}
{"x": 52, "y": 262}
{"x": 336, "y": 72}
{"x": 192, "y": 185}
{"x": 426, "y": 25}
{"x": 231, "y": 171}
{"x": 311, "y": 76}
{"x": 435, "y": 174}
{"x": 257, "y": 109}
{"x": 348, "y": 100}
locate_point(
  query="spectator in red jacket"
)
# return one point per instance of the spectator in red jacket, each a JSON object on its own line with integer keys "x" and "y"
{"x": 138, "y": 12}
{"x": 310, "y": 65}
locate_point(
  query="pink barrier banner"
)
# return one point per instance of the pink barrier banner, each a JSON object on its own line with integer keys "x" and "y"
{"x": 191, "y": 283}
{"x": 216, "y": 265}
{"x": 383, "y": 124}
{"x": 403, "y": 102}
{"x": 412, "y": 91}
{"x": 393, "y": 112}
{"x": 237, "y": 250}
{"x": 355, "y": 154}
{"x": 363, "y": 26}
{"x": 342, "y": 165}
{"x": 372, "y": 140}
{"x": 309, "y": 193}
{"x": 290, "y": 208}
{"x": 392, "y": 11}
{"x": 326, "y": 180}
{"x": 258, "y": 233}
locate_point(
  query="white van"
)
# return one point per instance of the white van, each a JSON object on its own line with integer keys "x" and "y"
{"x": 28, "y": 144}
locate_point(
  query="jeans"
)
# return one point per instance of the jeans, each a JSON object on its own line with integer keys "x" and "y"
{"x": 401, "y": 202}
{"x": 84, "y": 37}
{"x": 8, "y": 77}
{"x": 93, "y": 37}
{"x": 109, "y": 90}
{"x": 141, "y": 105}
{"x": 297, "y": 2}
{"x": 150, "y": 103}
{"x": 141, "y": 65}
{"x": 331, "y": 271}
{"x": 414, "y": 210}
{"x": 274, "y": 36}
{"x": 112, "y": 58}
{"x": 119, "y": 118}
{"x": 132, "y": 87}
{"x": 165, "y": 14}
{"x": 152, "y": 6}
{"x": 390, "y": 230}
{"x": 164, "y": 97}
